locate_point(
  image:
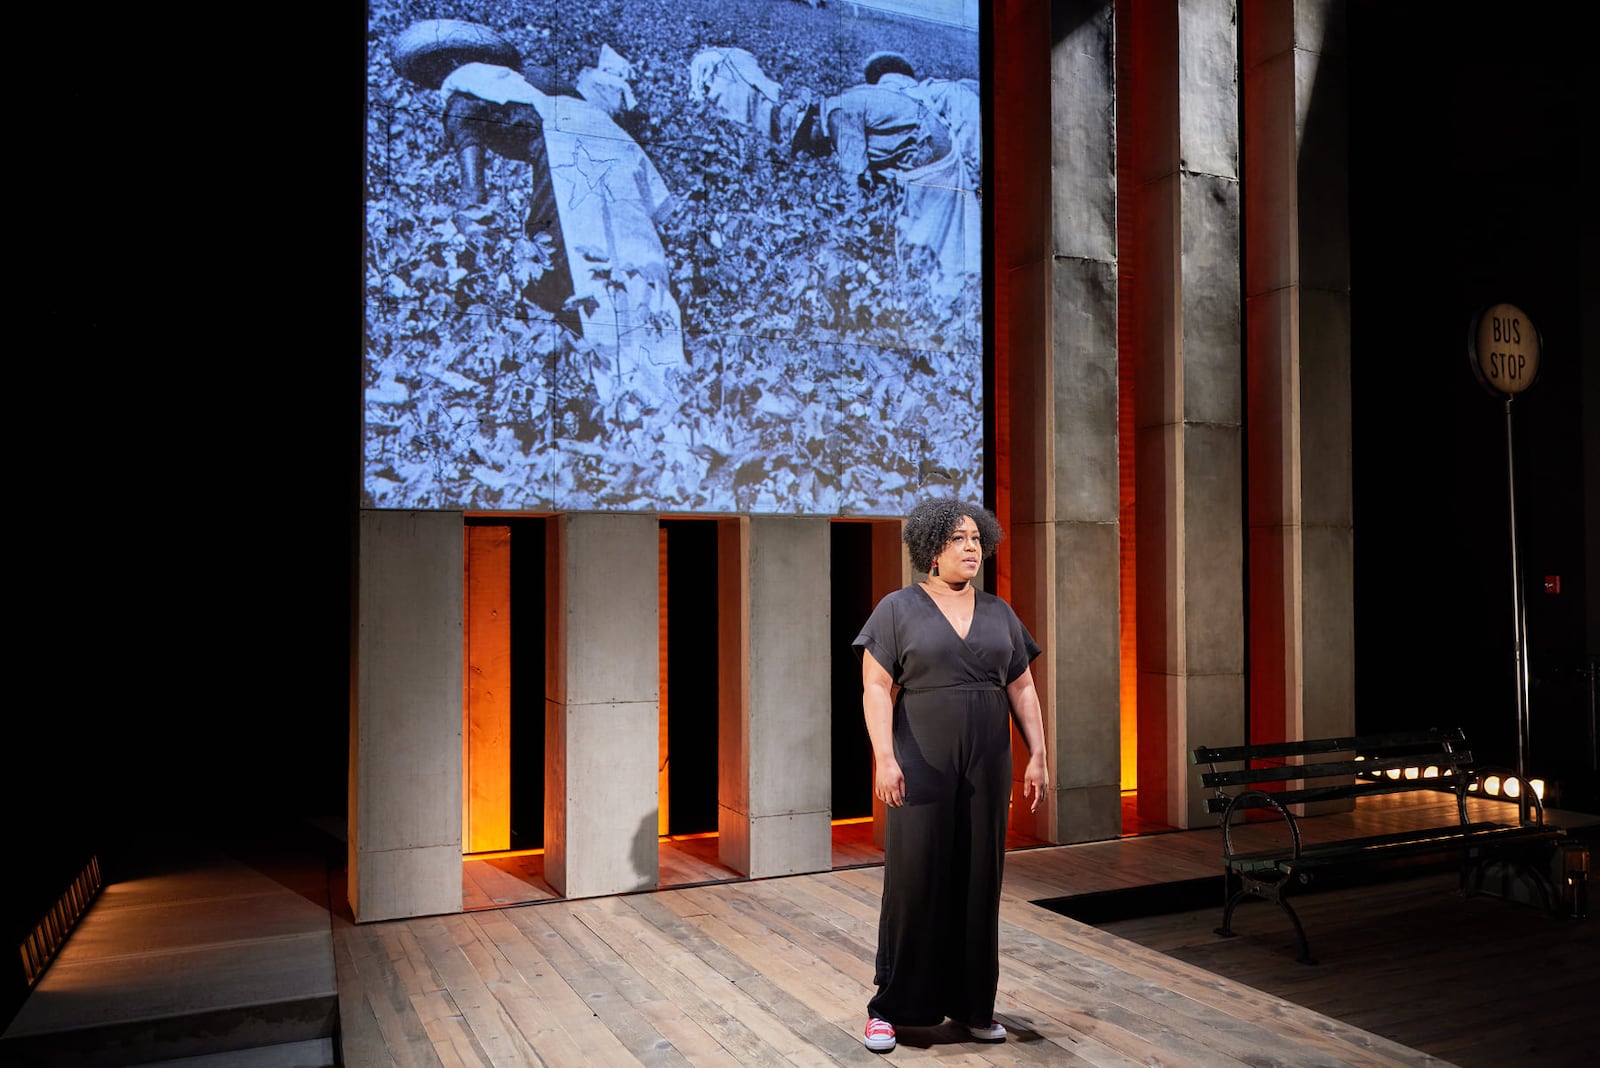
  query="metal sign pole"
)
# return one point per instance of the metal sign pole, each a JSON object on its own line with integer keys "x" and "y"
{"x": 1519, "y": 618}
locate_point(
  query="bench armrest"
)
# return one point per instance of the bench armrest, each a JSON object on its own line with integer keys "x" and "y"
{"x": 1525, "y": 787}
{"x": 1256, "y": 799}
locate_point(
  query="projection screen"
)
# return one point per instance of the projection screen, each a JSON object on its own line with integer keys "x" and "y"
{"x": 718, "y": 256}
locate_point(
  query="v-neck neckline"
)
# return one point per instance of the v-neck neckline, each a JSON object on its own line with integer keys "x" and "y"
{"x": 972, "y": 622}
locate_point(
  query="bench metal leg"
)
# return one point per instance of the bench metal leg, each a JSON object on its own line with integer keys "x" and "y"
{"x": 1300, "y": 933}
{"x": 1226, "y": 930}
{"x": 1266, "y": 891}
{"x": 1230, "y": 898}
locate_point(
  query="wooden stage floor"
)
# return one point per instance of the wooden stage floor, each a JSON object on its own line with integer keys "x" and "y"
{"x": 778, "y": 971}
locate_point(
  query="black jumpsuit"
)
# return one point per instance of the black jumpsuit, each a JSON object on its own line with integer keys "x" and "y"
{"x": 944, "y": 852}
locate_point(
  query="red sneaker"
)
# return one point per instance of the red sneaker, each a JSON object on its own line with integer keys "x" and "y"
{"x": 879, "y": 1036}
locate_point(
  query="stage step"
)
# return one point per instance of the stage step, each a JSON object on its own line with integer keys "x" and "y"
{"x": 197, "y": 955}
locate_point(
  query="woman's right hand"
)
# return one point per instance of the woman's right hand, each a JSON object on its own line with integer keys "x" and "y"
{"x": 889, "y": 782}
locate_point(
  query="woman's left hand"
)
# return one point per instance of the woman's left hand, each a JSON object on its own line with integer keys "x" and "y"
{"x": 1035, "y": 781}
{"x": 1030, "y": 720}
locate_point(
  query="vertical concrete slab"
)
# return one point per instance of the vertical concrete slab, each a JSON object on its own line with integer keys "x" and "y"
{"x": 1020, "y": 256}
{"x": 404, "y": 831}
{"x": 775, "y": 721}
{"x": 601, "y": 712}
{"x": 1298, "y": 396}
{"x": 1064, "y": 442}
{"x": 1185, "y": 326}
{"x": 1083, "y": 202}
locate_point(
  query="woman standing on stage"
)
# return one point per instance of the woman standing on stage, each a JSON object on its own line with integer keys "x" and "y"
{"x": 944, "y": 670}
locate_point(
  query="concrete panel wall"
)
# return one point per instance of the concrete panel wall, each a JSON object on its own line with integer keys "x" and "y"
{"x": 1302, "y": 630}
{"x": 1185, "y": 329}
{"x": 1083, "y": 174}
{"x": 601, "y": 713}
{"x": 1064, "y": 442}
{"x": 404, "y": 828}
{"x": 775, "y": 737}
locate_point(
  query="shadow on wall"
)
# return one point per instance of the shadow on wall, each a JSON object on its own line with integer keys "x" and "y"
{"x": 646, "y": 853}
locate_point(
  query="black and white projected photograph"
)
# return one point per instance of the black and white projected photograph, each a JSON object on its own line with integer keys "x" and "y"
{"x": 673, "y": 255}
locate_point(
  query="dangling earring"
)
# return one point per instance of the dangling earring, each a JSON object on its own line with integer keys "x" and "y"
{"x": 935, "y": 570}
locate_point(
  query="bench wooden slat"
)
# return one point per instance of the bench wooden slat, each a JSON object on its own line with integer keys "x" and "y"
{"x": 1291, "y": 772}
{"x": 1376, "y": 843}
{"x": 1312, "y": 747}
{"x": 1372, "y": 788}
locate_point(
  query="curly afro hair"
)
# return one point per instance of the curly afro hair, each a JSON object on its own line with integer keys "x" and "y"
{"x": 880, "y": 63}
{"x": 932, "y": 522}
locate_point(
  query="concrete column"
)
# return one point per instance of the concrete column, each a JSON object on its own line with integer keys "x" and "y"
{"x": 1297, "y": 292}
{"x": 601, "y": 713}
{"x": 405, "y": 724}
{"x": 774, "y": 777}
{"x": 1184, "y": 326}
{"x": 1064, "y": 439}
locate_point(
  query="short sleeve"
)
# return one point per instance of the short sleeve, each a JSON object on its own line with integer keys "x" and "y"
{"x": 1023, "y": 648}
{"x": 880, "y": 637}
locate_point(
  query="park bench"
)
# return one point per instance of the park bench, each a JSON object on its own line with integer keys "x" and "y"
{"x": 1279, "y": 777}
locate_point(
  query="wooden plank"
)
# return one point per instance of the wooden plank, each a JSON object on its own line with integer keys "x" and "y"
{"x": 689, "y": 861}
{"x": 611, "y": 988}
{"x": 548, "y": 1012}
{"x": 783, "y": 1021}
{"x": 360, "y": 1032}
{"x": 784, "y": 952}
{"x": 448, "y": 1031}
{"x": 590, "y": 1009}
{"x": 751, "y": 985}
{"x": 662, "y": 951}
{"x": 472, "y": 968}
{"x": 377, "y": 1023}
{"x": 786, "y": 1022}
{"x": 496, "y": 882}
{"x": 853, "y": 845}
{"x": 849, "y": 948}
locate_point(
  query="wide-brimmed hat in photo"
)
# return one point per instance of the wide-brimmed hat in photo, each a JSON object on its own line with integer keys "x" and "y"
{"x": 427, "y": 51}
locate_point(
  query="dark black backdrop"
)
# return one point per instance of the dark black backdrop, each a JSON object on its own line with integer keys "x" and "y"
{"x": 1469, "y": 134}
